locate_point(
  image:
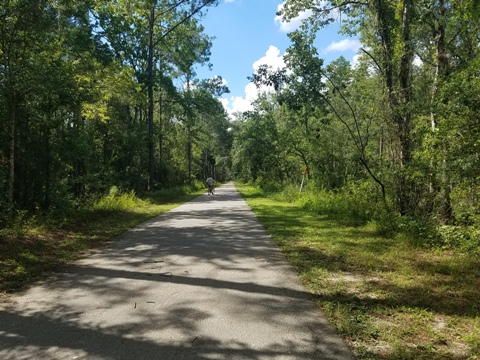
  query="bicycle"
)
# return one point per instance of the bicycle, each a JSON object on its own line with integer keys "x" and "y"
{"x": 211, "y": 190}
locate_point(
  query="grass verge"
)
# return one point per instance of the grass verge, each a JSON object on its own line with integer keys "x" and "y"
{"x": 388, "y": 299}
{"x": 27, "y": 253}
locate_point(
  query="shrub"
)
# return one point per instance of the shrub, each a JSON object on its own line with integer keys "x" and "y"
{"x": 117, "y": 200}
{"x": 419, "y": 232}
{"x": 464, "y": 238}
{"x": 267, "y": 185}
{"x": 161, "y": 195}
{"x": 356, "y": 202}
{"x": 385, "y": 221}
{"x": 291, "y": 193}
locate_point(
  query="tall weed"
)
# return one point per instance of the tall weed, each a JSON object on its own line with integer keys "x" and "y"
{"x": 291, "y": 193}
{"x": 385, "y": 220}
{"x": 18, "y": 222}
{"x": 117, "y": 200}
{"x": 356, "y": 202}
{"x": 419, "y": 232}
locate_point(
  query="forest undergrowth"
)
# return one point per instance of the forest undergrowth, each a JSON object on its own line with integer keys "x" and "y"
{"x": 391, "y": 294}
{"x": 38, "y": 243}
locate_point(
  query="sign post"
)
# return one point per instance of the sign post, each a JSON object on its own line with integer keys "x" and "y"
{"x": 303, "y": 179}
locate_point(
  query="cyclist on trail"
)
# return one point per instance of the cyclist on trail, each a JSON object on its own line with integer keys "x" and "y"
{"x": 210, "y": 182}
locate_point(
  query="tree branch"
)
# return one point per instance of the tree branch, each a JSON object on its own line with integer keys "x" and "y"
{"x": 374, "y": 60}
{"x": 358, "y": 143}
{"x": 194, "y": 12}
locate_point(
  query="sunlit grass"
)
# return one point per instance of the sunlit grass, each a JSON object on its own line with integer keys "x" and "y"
{"x": 387, "y": 298}
{"x": 28, "y": 252}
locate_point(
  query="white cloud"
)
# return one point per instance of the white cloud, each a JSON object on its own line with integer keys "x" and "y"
{"x": 240, "y": 104}
{"x": 294, "y": 23}
{"x": 224, "y": 102}
{"x": 344, "y": 45}
{"x": 272, "y": 57}
{"x": 356, "y": 61}
{"x": 237, "y": 103}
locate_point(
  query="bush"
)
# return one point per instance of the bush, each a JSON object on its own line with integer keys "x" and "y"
{"x": 291, "y": 193}
{"x": 117, "y": 200}
{"x": 361, "y": 202}
{"x": 385, "y": 221}
{"x": 172, "y": 192}
{"x": 356, "y": 202}
{"x": 464, "y": 238}
{"x": 268, "y": 185}
{"x": 419, "y": 232}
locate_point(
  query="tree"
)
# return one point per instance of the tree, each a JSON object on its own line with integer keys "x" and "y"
{"x": 255, "y": 148}
{"x": 78, "y": 86}
{"x": 141, "y": 31}
{"x": 411, "y": 49}
{"x": 308, "y": 89}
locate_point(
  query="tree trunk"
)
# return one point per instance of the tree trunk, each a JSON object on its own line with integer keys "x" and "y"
{"x": 441, "y": 60}
{"x": 398, "y": 93}
{"x": 403, "y": 114}
{"x": 151, "y": 158}
{"x": 11, "y": 175}
{"x": 189, "y": 155}
{"x": 160, "y": 136}
{"x": 47, "y": 169}
{"x": 441, "y": 69}
{"x": 206, "y": 165}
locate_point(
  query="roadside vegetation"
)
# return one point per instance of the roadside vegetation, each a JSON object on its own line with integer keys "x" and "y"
{"x": 390, "y": 295}
{"x": 96, "y": 124}
{"x": 34, "y": 245}
{"x": 387, "y": 232}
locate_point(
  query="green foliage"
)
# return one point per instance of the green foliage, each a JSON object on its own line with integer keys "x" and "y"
{"x": 387, "y": 298}
{"x": 255, "y": 152}
{"x": 411, "y": 127}
{"x": 291, "y": 193}
{"x": 465, "y": 239}
{"x": 361, "y": 204}
{"x": 355, "y": 202}
{"x": 74, "y": 104}
{"x": 172, "y": 192}
{"x": 419, "y": 232}
{"x": 117, "y": 200}
{"x": 18, "y": 222}
{"x": 268, "y": 185}
{"x": 41, "y": 243}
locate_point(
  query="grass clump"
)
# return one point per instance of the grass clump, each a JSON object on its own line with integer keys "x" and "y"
{"x": 388, "y": 298}
{"x": 117, "y": 200}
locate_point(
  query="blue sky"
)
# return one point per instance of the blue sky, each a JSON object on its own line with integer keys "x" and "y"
{"x": 248, "y": 33}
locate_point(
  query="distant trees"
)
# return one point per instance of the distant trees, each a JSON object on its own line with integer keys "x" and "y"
{"x": 91, "y": 97}
{"x": 404, "y": 117}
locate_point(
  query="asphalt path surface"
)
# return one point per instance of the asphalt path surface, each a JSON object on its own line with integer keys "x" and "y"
{"x": 203, "y": 281}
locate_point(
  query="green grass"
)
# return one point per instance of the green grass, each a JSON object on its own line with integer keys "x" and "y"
{"x": 387, "y": 298}
{"x": 27, "y": 251}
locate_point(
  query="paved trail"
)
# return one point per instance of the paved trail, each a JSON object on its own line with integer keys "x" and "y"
{"x": 203, "y": 281}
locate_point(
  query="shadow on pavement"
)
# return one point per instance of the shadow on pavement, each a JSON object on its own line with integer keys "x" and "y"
{"x": 203, "y": 281}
